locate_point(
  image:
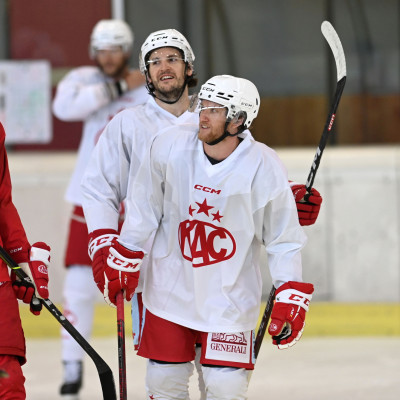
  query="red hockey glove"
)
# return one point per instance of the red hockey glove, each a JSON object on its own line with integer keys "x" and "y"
{"x": 308, "y": 205}
{"x": 99, "y": 245}
{"x": 122, "y": 272}
{"x": 36, "y": 269}
{"x": 289, "y": 312}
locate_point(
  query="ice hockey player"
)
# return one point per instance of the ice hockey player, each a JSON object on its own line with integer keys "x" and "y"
{"x": 92, "y": 94}
{"x": 34, "y": 260}
{"x": 213, "y": 196}
{"x": 167, "y": 61}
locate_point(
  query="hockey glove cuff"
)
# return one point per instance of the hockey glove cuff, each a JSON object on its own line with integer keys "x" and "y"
{"x": 37, "y": 270}
{"x": 122, "y": 272}
{"x": 99, "y": 245}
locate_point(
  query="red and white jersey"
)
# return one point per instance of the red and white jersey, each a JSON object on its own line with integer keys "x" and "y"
{"x": 12, "y": 233}
{"x": 210, "y": 223}
{"x": 120, "y": 151}
{"x": 82, "y": 96}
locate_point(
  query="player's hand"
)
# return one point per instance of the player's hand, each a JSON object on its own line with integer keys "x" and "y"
{"x": 99, "y": 245}
{"x": 122, "y": 272}
{"x": 308, "y": 204}
{"x": 289, "y": 312}
{"x": 37, "y": 270}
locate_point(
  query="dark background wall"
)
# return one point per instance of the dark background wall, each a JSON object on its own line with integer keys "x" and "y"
{"x": 275, "y": 43}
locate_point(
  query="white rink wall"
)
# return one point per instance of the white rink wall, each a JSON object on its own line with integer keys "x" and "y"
{"x": 353, "y": 251}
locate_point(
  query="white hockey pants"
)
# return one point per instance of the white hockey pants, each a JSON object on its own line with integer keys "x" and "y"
{"x": 80, "y": 294}
{"x": 171, "y": 382}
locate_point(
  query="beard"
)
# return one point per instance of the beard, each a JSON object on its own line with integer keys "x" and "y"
{"x": 115, "y": 72}
{"x": 171, "y": 94}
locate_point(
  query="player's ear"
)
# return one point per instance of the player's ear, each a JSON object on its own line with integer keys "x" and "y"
{"x": 189, "y": 71}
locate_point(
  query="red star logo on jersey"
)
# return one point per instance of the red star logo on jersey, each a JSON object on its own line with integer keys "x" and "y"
{"x": 204, "y": 207}
{"x": 217, "y": 216}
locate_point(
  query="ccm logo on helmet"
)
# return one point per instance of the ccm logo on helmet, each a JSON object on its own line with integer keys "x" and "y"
{"x": 159, "y": 38}
{"x": 207, "y": 189}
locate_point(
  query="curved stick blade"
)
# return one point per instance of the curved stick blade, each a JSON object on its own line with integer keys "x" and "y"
{"x": 336, "y": 46}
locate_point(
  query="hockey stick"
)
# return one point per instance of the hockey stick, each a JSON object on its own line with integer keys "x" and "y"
{"x": 337, "y": 49}
{"x": 264, "y": 322}
{"x": 104, "y": 371}
{"x": 121, "y": 346}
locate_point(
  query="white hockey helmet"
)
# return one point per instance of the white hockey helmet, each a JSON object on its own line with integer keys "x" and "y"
{"x": 111, "y": 32}
{"x": 165, "y": 38}
{"x": 236, "y": 94}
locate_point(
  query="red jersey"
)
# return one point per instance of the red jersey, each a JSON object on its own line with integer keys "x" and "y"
{"x": 12, "y": 233}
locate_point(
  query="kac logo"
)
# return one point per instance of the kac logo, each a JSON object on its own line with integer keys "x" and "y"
{"x": 204, "y": 243}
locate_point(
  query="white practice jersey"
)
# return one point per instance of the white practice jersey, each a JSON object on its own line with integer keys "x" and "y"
{"x": 82, "y": 96}
{"x": 203, "y": 269}
{"x": 115, "y": 161}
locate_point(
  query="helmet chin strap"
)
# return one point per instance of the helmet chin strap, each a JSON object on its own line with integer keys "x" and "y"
{"x": 225, "y": 134}
{"x": 151, "y": 89}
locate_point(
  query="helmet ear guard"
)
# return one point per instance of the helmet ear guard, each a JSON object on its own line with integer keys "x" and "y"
{"x": 111, "y": 32}
{"x": 239, "y": 115}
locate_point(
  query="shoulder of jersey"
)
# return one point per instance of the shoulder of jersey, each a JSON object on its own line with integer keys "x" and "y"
{"x": 136, "y": 111}
{"x": 140, "y": 93}
{"x": 178, "y": 136}
{"x": 184, "y": 131}
{"x": 270, "y": 157}
{"x": 86, "y": 70}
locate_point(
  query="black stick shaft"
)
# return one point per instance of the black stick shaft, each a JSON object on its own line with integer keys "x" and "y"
{"x": 325, "y": 133}
{"x": 264, "y": 322}
{"x": 121, "y": 347}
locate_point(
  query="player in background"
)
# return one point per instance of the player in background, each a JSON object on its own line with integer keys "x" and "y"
{"x": 166, "y": 59}
{"x": 34, "y": 260}
{"x": 94, "y": 95}
{"x": 214, "y": 196}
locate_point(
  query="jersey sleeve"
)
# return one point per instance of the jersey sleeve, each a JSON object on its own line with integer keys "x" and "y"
{"x": 80, "y": 93}
{"x": 283, "y": 236}
{"x": 144, "y": 205}
{"x": 104, "y": 183}
{"x": 12, "y": 232}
